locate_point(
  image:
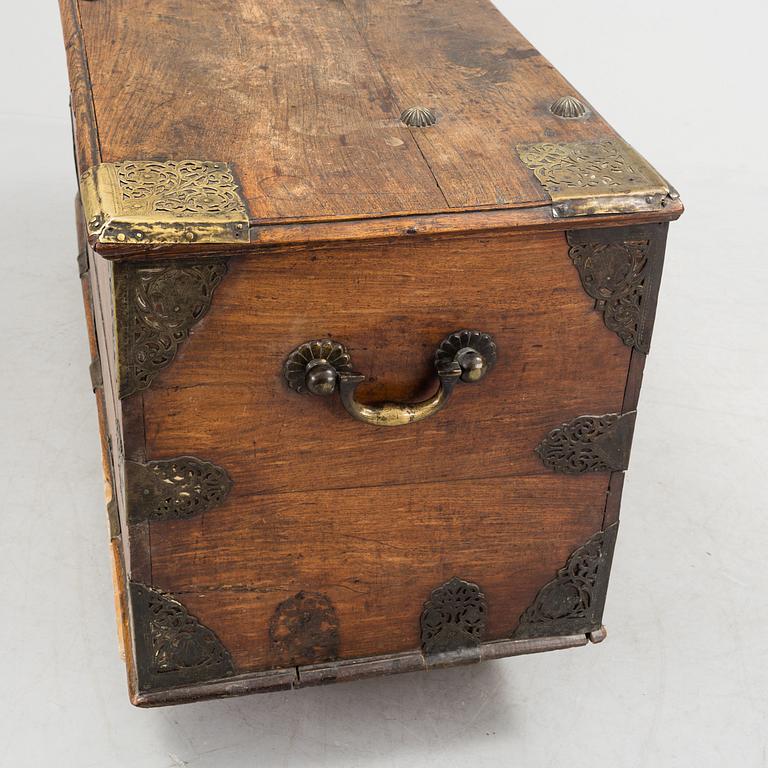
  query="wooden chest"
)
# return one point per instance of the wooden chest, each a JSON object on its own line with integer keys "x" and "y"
{"x": 369, "y": 291}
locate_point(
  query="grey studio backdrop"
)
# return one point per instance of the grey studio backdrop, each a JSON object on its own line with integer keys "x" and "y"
{"x": 682, "y": 679}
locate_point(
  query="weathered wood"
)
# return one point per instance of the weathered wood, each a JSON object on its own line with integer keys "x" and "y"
{"x": 490, "y": 87}
{"x": 306, "y": 98}
{"x": 85, "y": 132}
{"x": 391, "y": 304}
{"x": 286, "y": 91}
{"x": 376, "y": 556}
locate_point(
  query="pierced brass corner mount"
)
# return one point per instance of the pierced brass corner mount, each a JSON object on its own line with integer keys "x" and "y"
{"x": 163, "y": 202}
{"x": 591, "y": 178}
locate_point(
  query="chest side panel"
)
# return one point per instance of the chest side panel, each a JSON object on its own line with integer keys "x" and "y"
{"x": 300, "y": 502}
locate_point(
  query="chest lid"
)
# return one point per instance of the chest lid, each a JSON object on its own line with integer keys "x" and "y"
{"x": 204, "y": 123}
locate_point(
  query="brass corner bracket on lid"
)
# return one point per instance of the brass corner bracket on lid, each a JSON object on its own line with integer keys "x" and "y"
{"x": 595, "y": 177}
{"x": 164, "y": 202}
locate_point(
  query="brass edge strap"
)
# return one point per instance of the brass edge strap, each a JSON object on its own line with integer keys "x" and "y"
{"x": 94, "y": 370}
{"x": 356, "y": 669}
{"x": 149, "y": 202}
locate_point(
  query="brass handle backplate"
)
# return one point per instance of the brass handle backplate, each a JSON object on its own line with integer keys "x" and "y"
{"x": 319, "y": 367}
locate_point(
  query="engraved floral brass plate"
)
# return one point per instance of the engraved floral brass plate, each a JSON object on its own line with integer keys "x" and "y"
{"x": 573, "y": 601}
{"x": 172, "y": 646}
{"x": 174, "y": 489}
{"x": 590, "y": 178}
{"x": 184, "y": 201}
{"x": 156, "y": 307}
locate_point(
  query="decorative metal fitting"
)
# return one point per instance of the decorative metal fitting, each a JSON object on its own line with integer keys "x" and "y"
{"x": 175, "y": 489}
{"x": 313, "y": 366}
{"x": 418, "y": 117}
{"x": 621, "y": 271}
{"x": 159, "y": 202}
{"x": 318, "y": 366}
{"x": 157, "y": 308}
{"x": 569, "y": 108}
{"x": 475, "y": 352}
{"x": 454, "y": 617}
{"x": 173, "y": 647}
{"x": 589, "y": 444}
{"x": 594, "y": 177}
{"x": 572, "y": 603}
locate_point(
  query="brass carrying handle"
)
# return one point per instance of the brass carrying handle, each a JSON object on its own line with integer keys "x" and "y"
{"x": 316, "y": 367}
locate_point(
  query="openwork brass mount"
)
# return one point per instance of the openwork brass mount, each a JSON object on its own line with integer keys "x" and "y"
{"x": 589, "y": 444}
{"x": 319, "y": 366}
{"x": 154, "y": 202}
{"x": 621, "y": 270}
{"x": 595, "y": 177}
{"x": 172, "y": 646}
{"x": 156, "y": 309}
{"x": 174, "y": 489}
{"x": 454, "y": 617}
{"x": 573, "y": 601}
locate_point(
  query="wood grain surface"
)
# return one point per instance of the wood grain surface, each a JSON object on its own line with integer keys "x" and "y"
{"x": 84, "y": 128}
{"x": 489, "y": 86}
{"x": 287, "y": 91}
{"x": 376, "y": 556}
{"x": 224, "y": 397}
{"x": 304, "y": 99}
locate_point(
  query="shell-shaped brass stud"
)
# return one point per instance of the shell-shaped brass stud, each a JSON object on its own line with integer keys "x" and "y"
{"x": 569, "y": 108}
{"x": 418, "y": 117}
